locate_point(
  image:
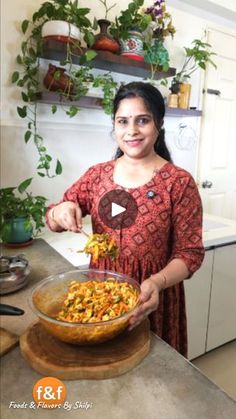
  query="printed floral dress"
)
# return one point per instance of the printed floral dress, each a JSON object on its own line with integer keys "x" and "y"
{"x": 168, "y": 225}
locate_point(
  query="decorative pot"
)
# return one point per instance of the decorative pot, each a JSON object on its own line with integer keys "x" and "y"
{"x": 56, "y": 79}
{"x": 175, "y": 87}
{"x": 184, "y": 95}
{"x": 17, "y": 232}
{"x": 61, "y": 31}
{"x": 104, "y": 41}
{"x": 173, "y": 100}
{"x": 132, "y": 47}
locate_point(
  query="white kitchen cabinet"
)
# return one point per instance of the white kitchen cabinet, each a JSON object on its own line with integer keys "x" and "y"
{"x": 222, "y": 310}
{"x": 197, "y": 292}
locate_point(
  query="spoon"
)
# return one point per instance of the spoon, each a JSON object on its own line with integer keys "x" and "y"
{"x": 84, "y": 232}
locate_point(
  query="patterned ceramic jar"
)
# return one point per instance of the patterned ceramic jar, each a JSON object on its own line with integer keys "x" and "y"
{"x": 132, "y": 47}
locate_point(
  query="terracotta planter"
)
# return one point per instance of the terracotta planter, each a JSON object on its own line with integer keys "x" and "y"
{"x": 133, "y": 46}
{"x": 60, "y": 31}
{"x": 104, "y": 41}
{"x": 56, "y": 79}
{"x": 184, "y": 95}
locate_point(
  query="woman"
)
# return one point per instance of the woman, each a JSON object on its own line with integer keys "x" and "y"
{"x": 162, "y": 246}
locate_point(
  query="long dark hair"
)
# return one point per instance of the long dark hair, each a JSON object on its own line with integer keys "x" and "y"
{"x": 155, "y": 104}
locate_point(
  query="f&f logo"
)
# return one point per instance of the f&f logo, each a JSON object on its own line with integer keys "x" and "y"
{"x": 49, "y": 392}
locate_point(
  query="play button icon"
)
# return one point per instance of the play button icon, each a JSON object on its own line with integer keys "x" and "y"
{"x": 117, "y": 209}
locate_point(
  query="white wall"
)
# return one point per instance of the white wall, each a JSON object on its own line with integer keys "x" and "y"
{"x": 85, "y": 139}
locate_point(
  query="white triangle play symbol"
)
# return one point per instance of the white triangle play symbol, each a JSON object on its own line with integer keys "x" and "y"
{"x": 116, "y": 209}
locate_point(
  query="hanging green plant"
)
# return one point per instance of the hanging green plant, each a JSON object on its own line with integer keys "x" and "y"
{"x": 108, "y": 86}
{"x": 28, "y": 78}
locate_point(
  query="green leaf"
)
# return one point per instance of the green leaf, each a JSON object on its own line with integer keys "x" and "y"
{"x": 64, "y": 62}
{"x": 73, "y": 110}
{"x": 49, "y": 158}
{"x": 27, "y": 136}
{"x": 24, "y": 97}
{"x": 19, "y": 59}
{"x": 87, "y": 56}
{"x": 54, "y": 108}
{"x": 83, "y": 11}
{"x": 15, "y": 76}
{"x": 89, "y": 38}
{"x": 57, "y": 75}
{"x": 41, "y": 174}
{"x": 24, "y": 185}
{"x": 22, "y": 112}
{"x": 42, "y": 149}
{"x": 58, "y": 168}
{"x": 90, "y": 55}
{"x": 24, "y": 25}
{"x": 20, "y": 83}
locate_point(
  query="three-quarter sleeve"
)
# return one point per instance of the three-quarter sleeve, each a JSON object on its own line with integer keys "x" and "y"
{"x": 81, "y": 192}
{"x": 187, "y": 222}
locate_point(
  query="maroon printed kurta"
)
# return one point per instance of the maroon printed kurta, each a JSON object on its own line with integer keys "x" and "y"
{"x": 167, "y": 226}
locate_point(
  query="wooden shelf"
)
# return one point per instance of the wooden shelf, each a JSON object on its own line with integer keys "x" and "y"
{"x": 105, "y": 60}
{"x": 57, "y": 99}
{"x": 96, "y": 103}
{"x": 182, "y": 112}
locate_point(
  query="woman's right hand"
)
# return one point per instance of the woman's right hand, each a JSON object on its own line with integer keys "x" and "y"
{"x": 66, "y": 216}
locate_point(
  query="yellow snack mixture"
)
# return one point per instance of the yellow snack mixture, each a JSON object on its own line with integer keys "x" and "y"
{"x": 93, "y": 301}
{"x": 101, "y": 246}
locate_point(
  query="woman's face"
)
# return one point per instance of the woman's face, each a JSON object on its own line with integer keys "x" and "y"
{"x": 135, "y": 129}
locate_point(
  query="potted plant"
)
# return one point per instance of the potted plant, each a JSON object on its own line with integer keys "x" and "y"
{"x": 21, "y": 214}
{"x": 196, "y": 57}
{"x": 159, "y": 28}
{"x": 103, "y": 40}
{"x": 28, "y": 79}
{"x": 128, "y": 29}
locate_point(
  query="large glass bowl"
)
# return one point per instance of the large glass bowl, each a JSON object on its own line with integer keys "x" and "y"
{"x": 47, "y": 298}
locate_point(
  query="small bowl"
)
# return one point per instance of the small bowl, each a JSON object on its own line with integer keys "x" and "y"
{"x": 47, "y": 298}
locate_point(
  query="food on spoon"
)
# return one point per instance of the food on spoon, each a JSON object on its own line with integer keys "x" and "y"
{"x": 101, "y": 246}
{"x": 93, "y": 301}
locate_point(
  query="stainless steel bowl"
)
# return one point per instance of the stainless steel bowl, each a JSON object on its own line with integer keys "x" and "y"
{"x": 14, "y": 271}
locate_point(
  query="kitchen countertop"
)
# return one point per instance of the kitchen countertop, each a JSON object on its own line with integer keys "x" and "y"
{"x": 164, "y": 385}
{"x": 216, "y": 231}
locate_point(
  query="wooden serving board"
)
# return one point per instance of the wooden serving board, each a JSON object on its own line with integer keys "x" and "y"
{"x": 49, "y": 356}
{"x": 8, "y": 341}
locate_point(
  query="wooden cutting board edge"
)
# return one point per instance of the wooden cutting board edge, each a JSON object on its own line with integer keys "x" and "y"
{"x": 8, "y": 341}
{"x": 99, "y": 372}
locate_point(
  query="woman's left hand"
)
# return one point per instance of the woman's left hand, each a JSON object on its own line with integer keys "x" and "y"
{"x": 149, "y": 299}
